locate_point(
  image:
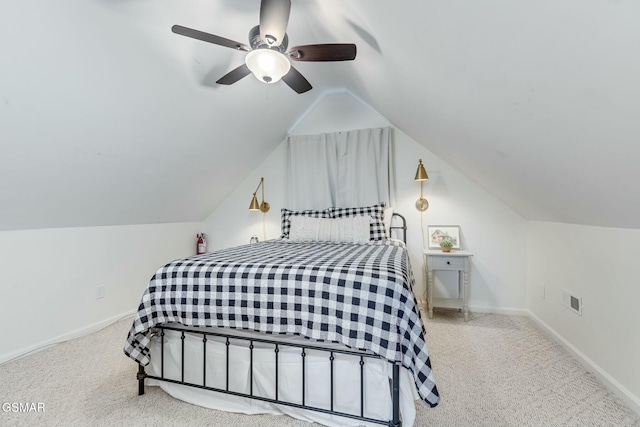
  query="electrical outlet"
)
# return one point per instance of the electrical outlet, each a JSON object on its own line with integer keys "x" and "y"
{"x": 100, "y": 292}
{"x": 542, "y": 290}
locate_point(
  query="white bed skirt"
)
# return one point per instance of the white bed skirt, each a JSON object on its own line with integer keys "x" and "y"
{"x": 377, "y": 374}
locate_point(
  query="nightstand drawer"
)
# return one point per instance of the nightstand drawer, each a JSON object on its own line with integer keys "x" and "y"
{"x": 447, "y": 263}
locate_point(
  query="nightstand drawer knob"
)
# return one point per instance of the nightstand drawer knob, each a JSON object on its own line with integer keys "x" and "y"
{"x": 448, "y": 262}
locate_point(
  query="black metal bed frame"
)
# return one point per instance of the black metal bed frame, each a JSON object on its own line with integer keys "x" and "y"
{"x": 362, "y": 355}
{"x": 278, "y": 345}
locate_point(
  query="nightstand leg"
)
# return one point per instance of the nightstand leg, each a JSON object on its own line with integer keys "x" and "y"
{"x": 465, "y": 285}
{"x": 430, "y": 292}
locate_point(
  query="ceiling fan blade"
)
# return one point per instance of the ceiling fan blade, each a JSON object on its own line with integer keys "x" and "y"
{"x": 234, "y": 75}
{"x": 296, "y": 81}
{"x": 206, "y": 37}
{"x": 323, "y": 52}
{"x": 274, "y": 17}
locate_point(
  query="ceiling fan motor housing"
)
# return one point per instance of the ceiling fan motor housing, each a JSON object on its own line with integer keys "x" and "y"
{"x": 256, "y": 41}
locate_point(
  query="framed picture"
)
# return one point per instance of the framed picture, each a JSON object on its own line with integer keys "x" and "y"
{"x": 438, "y": 233}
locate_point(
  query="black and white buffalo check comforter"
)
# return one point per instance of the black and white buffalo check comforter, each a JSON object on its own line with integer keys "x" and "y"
{"x": 358, "y": 295}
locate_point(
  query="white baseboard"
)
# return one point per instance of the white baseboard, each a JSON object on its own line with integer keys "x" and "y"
{"x": 81, "y": 332}
{"x": 491, "y": 310}
{"x": 618, "y": 389}
{"x": 499, "y": 310}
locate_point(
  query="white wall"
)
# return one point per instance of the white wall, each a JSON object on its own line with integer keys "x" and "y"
{"x": 494, "y": 233}
{"x": 49, "y": 278}
{"x": 233, "y": 224}
{"x": 583, "y": 260}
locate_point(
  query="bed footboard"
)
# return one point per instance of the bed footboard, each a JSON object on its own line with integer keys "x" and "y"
{"x": 395, "y": 421}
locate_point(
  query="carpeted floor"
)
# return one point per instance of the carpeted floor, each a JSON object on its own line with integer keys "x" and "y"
{"x": 494, "y": 370}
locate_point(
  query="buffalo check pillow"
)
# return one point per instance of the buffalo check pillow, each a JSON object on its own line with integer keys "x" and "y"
{"x": 376, "y": 212}
{"x": 286, "y": 215}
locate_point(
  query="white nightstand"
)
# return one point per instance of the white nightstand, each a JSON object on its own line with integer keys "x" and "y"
{"x": 459, "y": 261}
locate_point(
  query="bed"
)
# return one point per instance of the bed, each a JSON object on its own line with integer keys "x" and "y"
{"x": 322, "y": 331}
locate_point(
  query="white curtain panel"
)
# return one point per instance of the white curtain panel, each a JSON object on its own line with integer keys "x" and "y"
{"x": 312, "y": 171}
{"x": 340, "y": 169}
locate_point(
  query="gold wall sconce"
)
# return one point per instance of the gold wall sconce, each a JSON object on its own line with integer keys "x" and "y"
{"x": 421, "y": 175}
{"x": 255, "y": 206}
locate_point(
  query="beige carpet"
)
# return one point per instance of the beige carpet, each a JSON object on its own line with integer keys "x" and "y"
{"x": 492, "y": 371}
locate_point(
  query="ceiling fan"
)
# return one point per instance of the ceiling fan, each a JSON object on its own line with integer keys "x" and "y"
{"x": 268, "y": 58}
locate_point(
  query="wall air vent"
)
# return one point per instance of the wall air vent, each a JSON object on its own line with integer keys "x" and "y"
{"x": 572, "y": 302}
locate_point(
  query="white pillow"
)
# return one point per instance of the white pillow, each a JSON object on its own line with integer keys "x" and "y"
{"x": 388, "y": 213}
{"x": 350, "y": 230}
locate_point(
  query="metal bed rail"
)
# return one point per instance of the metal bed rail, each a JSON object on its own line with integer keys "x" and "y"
{"x": 362, "y": 355}
{"x": 399, "y": 228}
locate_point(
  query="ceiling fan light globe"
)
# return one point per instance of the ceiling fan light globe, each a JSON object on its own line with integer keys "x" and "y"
{"x": 267, "y": 65}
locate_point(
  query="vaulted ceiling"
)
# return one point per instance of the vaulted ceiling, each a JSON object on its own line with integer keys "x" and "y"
{"x": 106, "y": 117}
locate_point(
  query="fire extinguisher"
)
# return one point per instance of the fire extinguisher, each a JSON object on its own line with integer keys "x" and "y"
{"x": 201, "y": 244}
